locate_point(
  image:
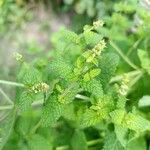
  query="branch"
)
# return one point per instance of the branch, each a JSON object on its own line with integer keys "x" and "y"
{"x": 126, "y": 59}
{"x": 129, "y": 74}
{"x": 5, "y": 95}
{"x": 11, "y": 83}
{"x": 89, "y": 143}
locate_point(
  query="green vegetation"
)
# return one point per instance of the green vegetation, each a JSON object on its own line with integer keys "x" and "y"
{"x": 91, "y": 91}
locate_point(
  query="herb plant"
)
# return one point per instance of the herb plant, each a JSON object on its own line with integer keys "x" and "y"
{"x": 73, "y": 98}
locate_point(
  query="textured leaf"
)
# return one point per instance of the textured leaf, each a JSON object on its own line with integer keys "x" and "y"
{"x": 130, "y": 121}
{"x": 6, "y": 127}
{"x": 59, "y": 68}
{"x": 52, "y": 110}
{"x": 112, "y": 143}
{"x": 108, "y": 64}
{"x": 137, "y": 123}
{"x": 37, "y": 142}
{"x": 69, "y": 93}
{"x": 29, "y": 75}
{"x": 25, "y": 100}
{"x": 121, "y": 134}
{"x": 92, "y": 38}
{"x": 70, "y": 36}
{"x": 90, "y": 118}
{"x": 145, "y": 60}
{"x": 94, "y": 87}
{"x": 78, "y": 141}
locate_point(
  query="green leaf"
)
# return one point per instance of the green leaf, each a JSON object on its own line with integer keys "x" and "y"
{"x": 137, "y": 123}
{"x": 137, "y": 144}
{"x": 29, "y": 75}
{"x": 70, "y": 36}
{"x": 94, "y": 87}
{"x": 69, "y": 93}
{"x": 121, "y": 134}
{"x": 52, "y": 110}
{"x": 94, "y": 73}
{"x": 111, "y": 142}
{"x": 25, "y": 100}
{"x": 37, "y": 142}
{"x": 108, "y": 64}
{"x": 130, "y": 121}
{"x": 78, "y": 141}
{"x": 144, "y": 101}
{"x": 145, "y": 60}
{"x": 60, "y": 69}
{"x": 6, "y": 127}
{"x": 92, "y": 38}
{"x": 90, "y": 118}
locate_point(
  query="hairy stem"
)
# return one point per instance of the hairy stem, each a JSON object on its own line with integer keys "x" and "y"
{"x": 129, "y": 74}
{"x": 6, "y": 97}
{"x": 125, "y": 58}
{"x": 89, "y": 143}
{"x": 7, "y": 107}
{"x": 11, "y": 83}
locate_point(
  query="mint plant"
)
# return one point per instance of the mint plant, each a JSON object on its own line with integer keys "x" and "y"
{"x": 75, "y": 93}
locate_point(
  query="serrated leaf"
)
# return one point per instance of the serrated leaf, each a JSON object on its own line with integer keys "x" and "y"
{"x": 145, "y": 60}
{"x": 94, "y": 73}
{"x": 6, "y": 127}
{"x": 92, "y": 38}
{"x": 137, "y": 123}
{"x": 29, "y": 75}
{"x": 78, "y": 141}
{"x": 69, "y": 93}
{"x": 70, "y": 36}
{"x": 60, "y": 68}
{"x": 25, "y": 100}
{"x": 94, "y": 87}
{"x": 90, "y": 118}
{"x": 107, "y": 64}
{"x": 130, "y": 121}
{"x": 117, "y": 116}
{"x": 52, "y": 110}
{"x": 37, "y": 142}
{"x": 111, "y": 142}
{"x": 121, "y": 134}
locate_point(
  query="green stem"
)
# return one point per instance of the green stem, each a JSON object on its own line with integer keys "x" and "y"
{"x": 7, "y": 107}
{"x": 36, "y": 127}
{"x": 6, "y": 97}
{"x": 129, "y": 74}
{"x": 135, "y": 45}
{"x": 89, "y": 143}
{"x": 11, "y": 83}
{"x": 79, "y": 96}
{"x": 126, "y": 59}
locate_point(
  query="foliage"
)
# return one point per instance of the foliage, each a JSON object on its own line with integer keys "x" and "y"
{"x": 60, "y": 103}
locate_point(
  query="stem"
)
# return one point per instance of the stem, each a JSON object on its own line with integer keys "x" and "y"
{"x": 65, "y": 147}
{"x": 129, "y": 74}
{"x": 11, "y": 83}
{"x": 94, "y": 142}
{"x": 89, "y": 143}
{"x": 126, "y": 59}
{"x": 134, "y": 46}
{"x": 36, "y": 127}
{"x": 82, "y": 97}
{"x": 135, "y": 79}
{"x": 7, "y": 107}
{"x": 5, "y": 95}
